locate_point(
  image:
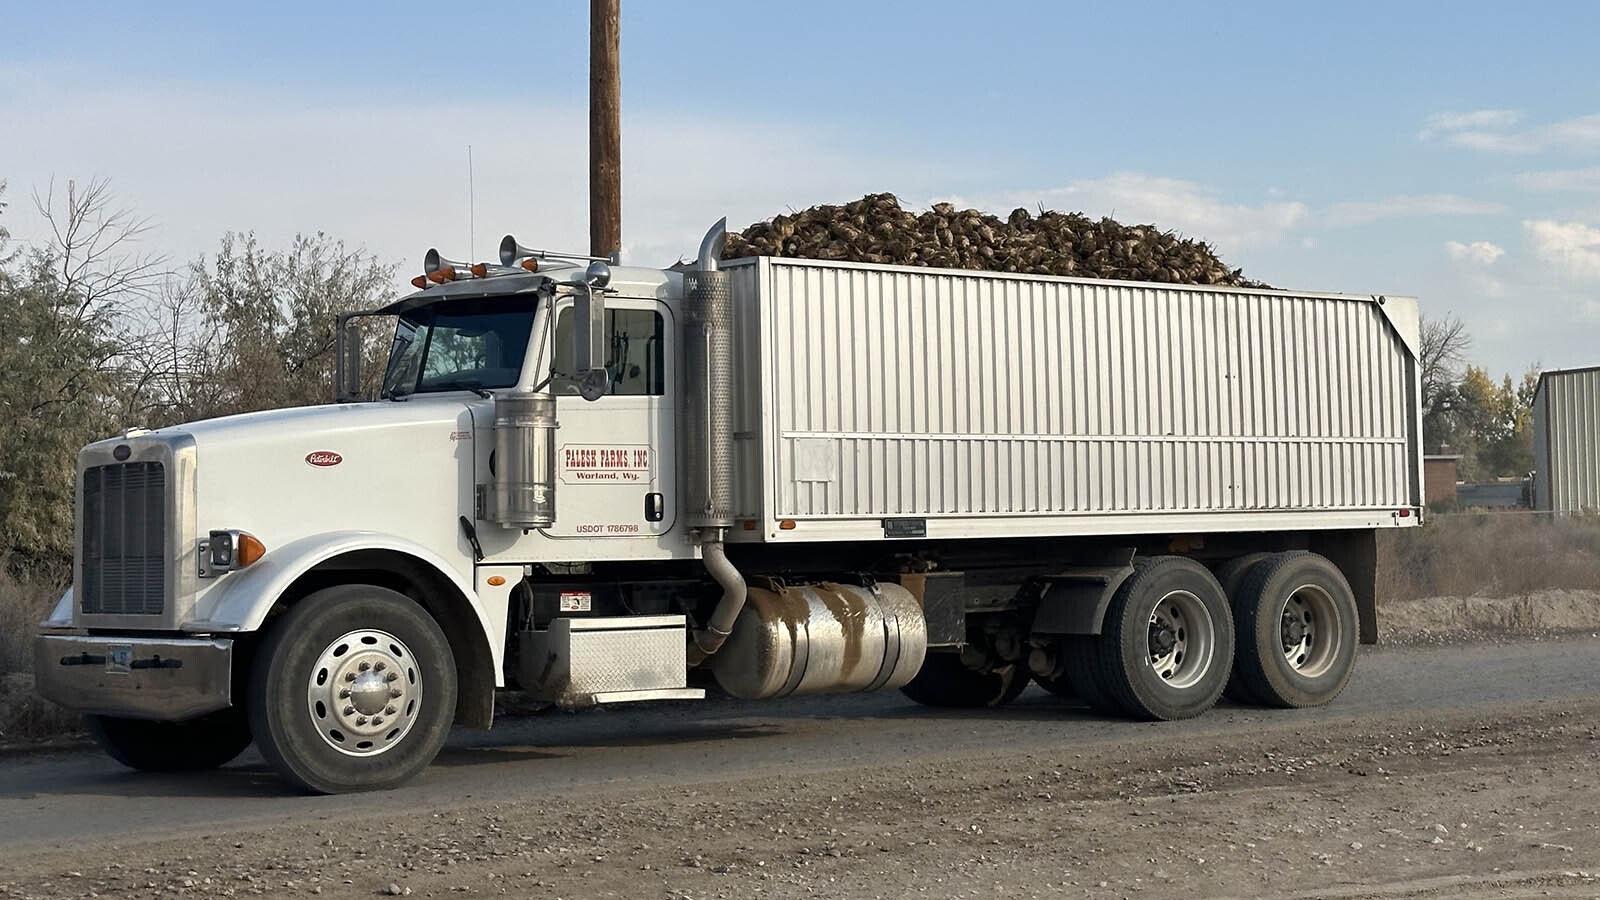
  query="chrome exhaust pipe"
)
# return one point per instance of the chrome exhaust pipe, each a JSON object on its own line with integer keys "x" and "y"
{"x": 710, "y": 639}
{"x": 708, "y": 430}
{"x": 711, "y": 245}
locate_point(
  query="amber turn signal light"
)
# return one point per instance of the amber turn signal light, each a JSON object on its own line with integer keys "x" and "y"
{"x": 249, "y": 549}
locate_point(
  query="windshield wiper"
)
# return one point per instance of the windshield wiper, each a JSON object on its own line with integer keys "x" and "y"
{"x": 462, "y": 385}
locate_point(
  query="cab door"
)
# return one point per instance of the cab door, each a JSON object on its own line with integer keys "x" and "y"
{"x": 615, "y": 457}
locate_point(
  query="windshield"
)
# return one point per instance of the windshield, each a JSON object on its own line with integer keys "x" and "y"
{"x": 460, "y": 345}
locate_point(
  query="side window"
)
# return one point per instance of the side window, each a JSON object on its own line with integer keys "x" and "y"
{"x": 635, "y": 356}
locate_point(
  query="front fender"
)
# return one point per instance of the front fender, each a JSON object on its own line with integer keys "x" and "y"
{"x": 242, "y": 599}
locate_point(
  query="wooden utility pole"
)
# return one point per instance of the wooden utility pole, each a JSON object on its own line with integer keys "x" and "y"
{"x": 605, "y": 130}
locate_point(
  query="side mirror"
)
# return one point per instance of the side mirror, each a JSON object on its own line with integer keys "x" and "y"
{"x": 347, "y": 359}
{"x": 589, "y": 356}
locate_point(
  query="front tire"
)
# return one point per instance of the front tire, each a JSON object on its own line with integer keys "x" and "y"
{"x": 354, "y": 689}
{"x": 1167, "y": 644}
{"x": 194, "y": 745}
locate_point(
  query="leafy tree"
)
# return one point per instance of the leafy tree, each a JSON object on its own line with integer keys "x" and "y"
{"x": 1494, "y": 422}
{"x": 266, "y": 338}
{"x": 1489, "y": 424}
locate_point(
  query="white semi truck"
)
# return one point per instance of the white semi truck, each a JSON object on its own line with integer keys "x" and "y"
{"x": 603, "y": 484}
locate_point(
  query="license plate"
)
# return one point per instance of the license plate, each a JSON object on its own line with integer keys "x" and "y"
{"x": 119, "y": 659}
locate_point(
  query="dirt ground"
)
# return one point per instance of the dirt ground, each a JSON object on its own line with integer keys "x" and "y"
{"x": 1455, "y": 803}
{"x": 1458, "y": 619}
{"x": 1443, "y": 805}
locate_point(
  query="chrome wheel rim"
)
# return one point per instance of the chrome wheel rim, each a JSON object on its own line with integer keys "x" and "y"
{"x": 1182, "y": 639}
{"x": 364, "y": 692}
{"x": 1308, "y": 631}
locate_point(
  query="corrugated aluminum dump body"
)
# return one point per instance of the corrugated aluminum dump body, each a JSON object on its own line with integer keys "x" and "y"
{"x": 1566, "y": 441}
{"x": 974, "y": 404}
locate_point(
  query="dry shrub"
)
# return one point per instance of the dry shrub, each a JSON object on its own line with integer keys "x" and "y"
{"x": 1489, "y": 555}
{"x": 24, "y": 602}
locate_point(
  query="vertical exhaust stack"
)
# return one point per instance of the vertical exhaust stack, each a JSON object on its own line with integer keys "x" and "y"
{"x": 707, "y": 422}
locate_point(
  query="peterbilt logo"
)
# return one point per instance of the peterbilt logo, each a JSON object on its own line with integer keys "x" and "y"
{"x": 324, "y": 458}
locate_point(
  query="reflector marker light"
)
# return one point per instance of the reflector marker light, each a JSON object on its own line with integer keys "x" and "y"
{"x": 249, "y": 549}
{"x": 419, "y": 282}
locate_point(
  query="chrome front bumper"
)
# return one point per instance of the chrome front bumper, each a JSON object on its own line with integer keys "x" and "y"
{"x": 137, "y": 677}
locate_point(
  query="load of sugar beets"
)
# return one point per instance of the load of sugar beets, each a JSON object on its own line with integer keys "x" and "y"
{"x": 875, "y": 229}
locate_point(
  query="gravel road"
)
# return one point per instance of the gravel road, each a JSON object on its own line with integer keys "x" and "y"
{"x": 1460, "y": 771}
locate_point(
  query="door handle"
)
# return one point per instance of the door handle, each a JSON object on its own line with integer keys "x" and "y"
{"x": 655, "y": 507}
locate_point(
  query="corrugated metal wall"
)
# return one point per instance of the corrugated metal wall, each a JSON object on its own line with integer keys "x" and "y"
{"x": 896, "y": 393}
{"x": 1566, "y": 441}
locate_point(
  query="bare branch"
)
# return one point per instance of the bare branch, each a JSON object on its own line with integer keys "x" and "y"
{"x": 1444, "y": 347}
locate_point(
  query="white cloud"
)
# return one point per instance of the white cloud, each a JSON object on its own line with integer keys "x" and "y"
{"x": 1447, "y": 122}
{"x": 1198, "y": 209}
{"x": 1363, "y": 212}
{"x": 1482, "y": 253}
{"x": 1572, "y": 247}
{"x": 1169, "y": 202}
{"x": 1491, "y": 131}
{"x": 1568, "y": 180}
{"x": 1475, "y": 259}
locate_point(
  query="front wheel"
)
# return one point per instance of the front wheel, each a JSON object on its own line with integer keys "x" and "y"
{"x": 354, "y": 689}
{"x": 189, "y": 746}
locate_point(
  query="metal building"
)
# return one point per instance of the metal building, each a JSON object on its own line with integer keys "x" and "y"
{"x": 1566, "y": 441}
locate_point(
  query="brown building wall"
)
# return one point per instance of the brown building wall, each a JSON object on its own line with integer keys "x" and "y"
{"x": 1439, "y": 478}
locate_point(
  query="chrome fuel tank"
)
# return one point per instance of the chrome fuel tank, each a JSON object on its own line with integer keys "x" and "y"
{"x": 822, "y": 638}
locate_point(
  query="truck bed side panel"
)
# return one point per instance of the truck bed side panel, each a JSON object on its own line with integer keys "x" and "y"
{"x": 998, "y": 405}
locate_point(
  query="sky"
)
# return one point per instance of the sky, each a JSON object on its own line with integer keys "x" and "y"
{"x": 1447, "y": 151}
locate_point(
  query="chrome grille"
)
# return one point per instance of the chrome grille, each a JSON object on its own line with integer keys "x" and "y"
{"x": 124, "y": 550}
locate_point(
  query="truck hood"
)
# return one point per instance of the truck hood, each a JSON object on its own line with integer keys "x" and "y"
{"x": 321, "y": 425}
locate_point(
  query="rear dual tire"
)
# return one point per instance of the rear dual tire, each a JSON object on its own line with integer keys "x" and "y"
{"x": 946, "y": 681}
{"x": 1298, "y": 630}
{"x": 1166, "y": 645}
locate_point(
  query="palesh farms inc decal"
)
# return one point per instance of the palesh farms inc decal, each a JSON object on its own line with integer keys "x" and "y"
{"x": 592, "y": 463}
